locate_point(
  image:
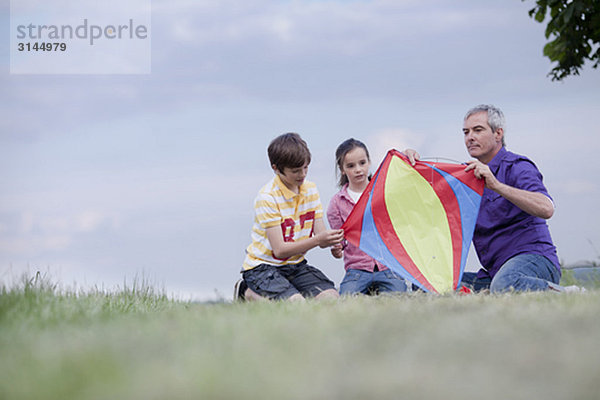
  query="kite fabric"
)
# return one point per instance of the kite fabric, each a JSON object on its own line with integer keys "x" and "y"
{"x": 418, "y": 221}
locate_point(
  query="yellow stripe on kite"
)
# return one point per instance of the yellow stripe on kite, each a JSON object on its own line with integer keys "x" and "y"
{"x": 420, "y": 222}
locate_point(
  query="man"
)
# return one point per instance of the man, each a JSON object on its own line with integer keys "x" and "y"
{"x": 511, "y": 236}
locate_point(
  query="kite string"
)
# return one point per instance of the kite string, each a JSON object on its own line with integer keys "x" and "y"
{"x": 436, "y": 159}
{"x": 426, "y": 159}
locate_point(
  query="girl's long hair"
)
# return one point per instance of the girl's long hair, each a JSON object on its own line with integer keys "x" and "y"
{"x": 341, "y": 152}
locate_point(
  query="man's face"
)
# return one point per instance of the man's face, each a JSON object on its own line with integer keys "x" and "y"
{"x": 481, "y": 142}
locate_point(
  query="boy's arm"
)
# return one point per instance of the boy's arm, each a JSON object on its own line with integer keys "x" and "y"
{"x": 319, "y": 226}
{"x": 323, "y": 237}
{"x": 335, "y": 220}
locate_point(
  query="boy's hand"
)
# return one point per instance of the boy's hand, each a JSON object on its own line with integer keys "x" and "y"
{"x": 330, "y": 237}
{"x": 337, "y": 250}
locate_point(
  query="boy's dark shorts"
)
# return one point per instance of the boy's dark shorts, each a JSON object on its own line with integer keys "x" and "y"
{"x": 281, "y": 282}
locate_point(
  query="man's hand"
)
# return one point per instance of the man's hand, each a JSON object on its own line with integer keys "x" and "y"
{"x": 330, "y": 237}
{"x": 482, "y": 171}
{"x": 534, "y": 203}
{"x": 412, "y": 155}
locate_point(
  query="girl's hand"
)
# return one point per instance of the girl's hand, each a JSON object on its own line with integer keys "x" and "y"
{"x": 337, "y": 251}
{"x": 330, "y": 237}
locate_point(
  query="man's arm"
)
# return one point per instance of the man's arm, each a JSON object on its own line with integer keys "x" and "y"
{"x": 534, "y": 203}
{"x": 323, "y": 238}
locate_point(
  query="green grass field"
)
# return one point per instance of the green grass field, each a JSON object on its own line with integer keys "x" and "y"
{"x": 138, "y": 344}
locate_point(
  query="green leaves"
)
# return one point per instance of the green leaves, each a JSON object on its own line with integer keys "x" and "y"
{"x": 539, "y": 15}
{"x": 574, "y": 28}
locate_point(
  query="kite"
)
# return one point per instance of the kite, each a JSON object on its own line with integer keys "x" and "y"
{"x": 418, "y": 221}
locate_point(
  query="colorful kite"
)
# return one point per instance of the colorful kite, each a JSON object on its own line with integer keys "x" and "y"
{"x": 418, "y": 221}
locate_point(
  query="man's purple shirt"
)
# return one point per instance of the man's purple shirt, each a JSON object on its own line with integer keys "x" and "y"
{"x": 503, "y": 230}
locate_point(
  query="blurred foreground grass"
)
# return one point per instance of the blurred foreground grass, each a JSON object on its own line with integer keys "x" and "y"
{"x": 138, "y": 344}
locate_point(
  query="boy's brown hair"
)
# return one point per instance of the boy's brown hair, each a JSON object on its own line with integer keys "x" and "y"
{"x": 288, "y": 150}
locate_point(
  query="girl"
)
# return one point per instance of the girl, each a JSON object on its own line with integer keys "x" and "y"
{"x": 363, "y": 274}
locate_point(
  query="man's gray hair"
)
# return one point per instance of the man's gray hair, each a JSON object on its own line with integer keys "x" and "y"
{"x": 496, "y": 118}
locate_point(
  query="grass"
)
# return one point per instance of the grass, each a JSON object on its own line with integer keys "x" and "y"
{"x": 589, "y": 276}
{"x": 135, "y": 343}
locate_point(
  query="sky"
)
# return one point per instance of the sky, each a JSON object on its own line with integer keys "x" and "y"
{"x": 109, "y": 178}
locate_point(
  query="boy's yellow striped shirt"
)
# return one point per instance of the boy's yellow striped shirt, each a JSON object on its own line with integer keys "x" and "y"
{"x": 276, "y": 205}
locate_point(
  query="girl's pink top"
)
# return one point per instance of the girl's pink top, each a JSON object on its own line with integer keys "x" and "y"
{"x": 354, "y": 258}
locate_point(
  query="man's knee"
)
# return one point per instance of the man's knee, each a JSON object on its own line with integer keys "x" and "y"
{"x": 504, "y": 283}
{"x": 508, "y": 276}
{"x": 525, "y": 272}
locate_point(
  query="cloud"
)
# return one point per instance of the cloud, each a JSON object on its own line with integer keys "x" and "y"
{"x": 393, "y": 138}
{"x": 28, "y": 246}
{"x": 37, "y": 232}
{"x": 281, "y": 51}
{"x": 338, "y": 26}
{"x": 579, "y": 187}
{"x": 26, "y": 223}
{"x": 89, "y": 221}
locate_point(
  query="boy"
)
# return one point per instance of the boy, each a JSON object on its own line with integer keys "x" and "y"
{"x": 288, "y": 222}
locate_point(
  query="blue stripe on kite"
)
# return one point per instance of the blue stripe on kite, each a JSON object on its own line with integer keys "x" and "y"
{"x": 370, "y": 235}
{"x": 468, "y": 200}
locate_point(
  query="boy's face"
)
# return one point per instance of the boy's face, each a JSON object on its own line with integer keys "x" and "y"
{"x": 292, "y": 178}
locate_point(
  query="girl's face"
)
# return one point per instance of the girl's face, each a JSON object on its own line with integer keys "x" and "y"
{"x": 356, "y": 166}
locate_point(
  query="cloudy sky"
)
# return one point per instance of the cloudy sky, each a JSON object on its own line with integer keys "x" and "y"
{"x": 105, "y": 178}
